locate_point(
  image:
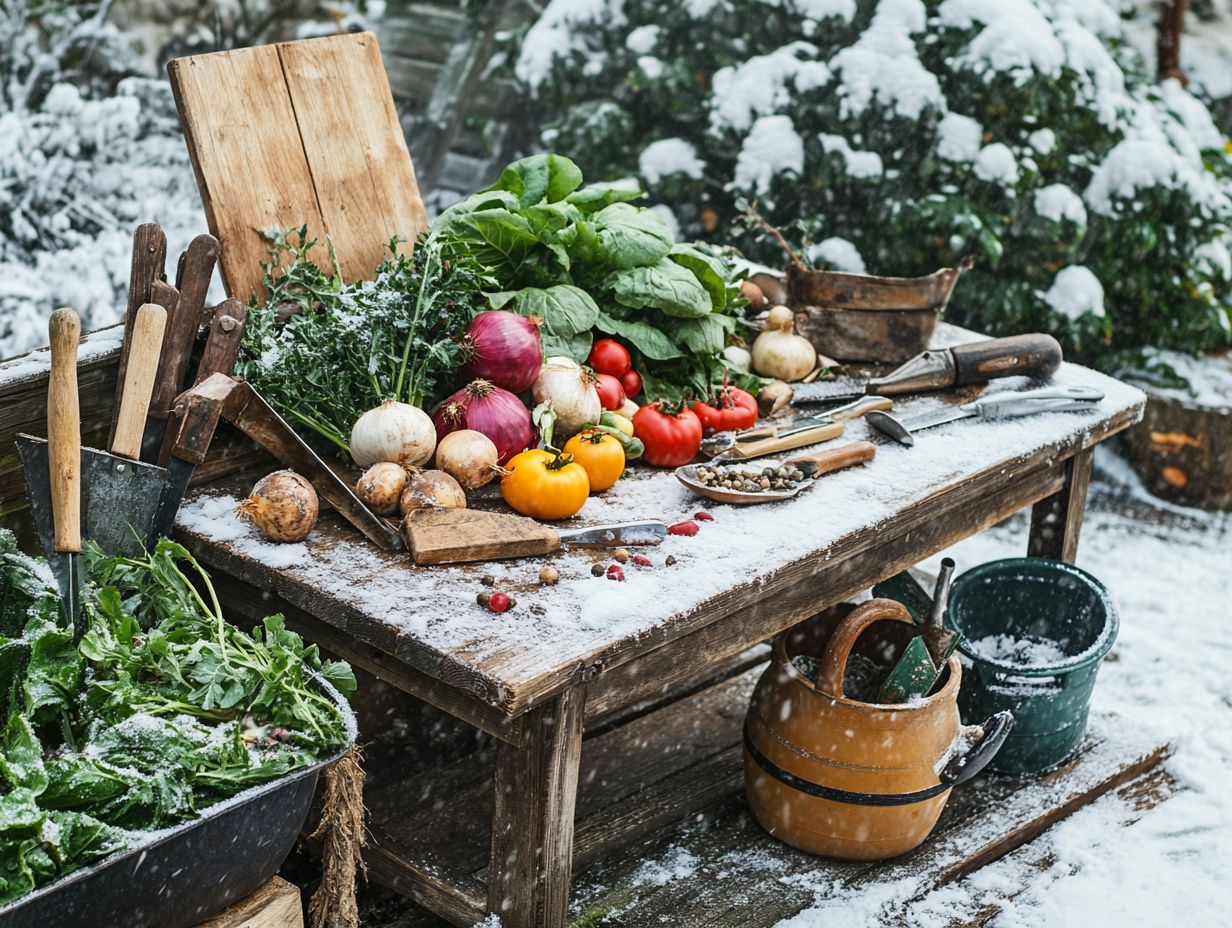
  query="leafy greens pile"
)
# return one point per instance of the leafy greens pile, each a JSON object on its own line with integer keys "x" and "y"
{"x": 163, "y": 709}
{"x": 585, "y": 260}
{"x": 344, "y": 348}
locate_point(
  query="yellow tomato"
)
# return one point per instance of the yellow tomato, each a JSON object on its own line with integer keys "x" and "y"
{"x": 618, "y": 421}
{"x": 600, "y": 454}
{"x": 542, "y": 485}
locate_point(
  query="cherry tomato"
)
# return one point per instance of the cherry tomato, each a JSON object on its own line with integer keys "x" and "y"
{"x": 729, "y": 410}
{"x": 631, "y": 381}
{"x": 671, "y": 432}
{"x": 608, "y": 356}
{"x": 545, "y": 485}
{"x": 601, "y": 455}
{"x": 611, "y": 393}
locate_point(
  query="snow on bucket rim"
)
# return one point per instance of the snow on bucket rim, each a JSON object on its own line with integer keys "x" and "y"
{"x": 1019, "y": 568}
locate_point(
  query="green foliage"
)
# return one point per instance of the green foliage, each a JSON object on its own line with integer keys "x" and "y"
{"x": 348, "y": 347}
{"x": 163, "y": 709}
{"x": 1142, "y": 162}
{"x": 584, "y": 259}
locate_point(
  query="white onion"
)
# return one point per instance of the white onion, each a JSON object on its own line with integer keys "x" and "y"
{"x": 571, "y": 391}
{"x": 779, "y": 352}
{"x": 737, "y": 357}
{"x": 394, "y": 432}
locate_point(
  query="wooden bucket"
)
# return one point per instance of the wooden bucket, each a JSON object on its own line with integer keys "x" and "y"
{"x": 849, "y": 779}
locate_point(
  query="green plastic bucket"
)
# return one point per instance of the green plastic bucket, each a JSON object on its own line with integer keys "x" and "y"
{"x": 1034, "y": 631}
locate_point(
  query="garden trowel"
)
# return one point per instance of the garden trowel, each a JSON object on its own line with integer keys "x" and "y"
{"x": 119, "y": 493}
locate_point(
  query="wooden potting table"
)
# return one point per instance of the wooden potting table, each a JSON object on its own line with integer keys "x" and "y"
{"x": 575, "y": 657}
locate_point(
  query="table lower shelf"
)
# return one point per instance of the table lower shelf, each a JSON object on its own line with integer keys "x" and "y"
{"x": 672, "y": 777}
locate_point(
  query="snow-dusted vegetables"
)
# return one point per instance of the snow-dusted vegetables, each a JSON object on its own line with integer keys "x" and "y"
{"x": 779, "y": 352}
{"x": 432, "y": 489}
{"x": 503, "y": 348}
{"x": 545, "y": 485}
{"x": 380, "y": 487}
{"x": 394, "y": 432}
{"x": 601, "y": 455}
{"x": 283, "y": 505}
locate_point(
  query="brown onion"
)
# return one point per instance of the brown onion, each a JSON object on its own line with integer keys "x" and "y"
{"x": 431, "y": 489}
{"x": 469, "y": 457}
{"x": 380, "y": 488}
{"x": 283, "y": 506}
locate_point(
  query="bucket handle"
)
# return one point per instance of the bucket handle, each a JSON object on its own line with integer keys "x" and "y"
{"x": 834, "y": 661}
{"x": 959, "y": 770}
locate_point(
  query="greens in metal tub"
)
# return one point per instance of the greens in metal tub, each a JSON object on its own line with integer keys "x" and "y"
{"x": 162, "y": 710}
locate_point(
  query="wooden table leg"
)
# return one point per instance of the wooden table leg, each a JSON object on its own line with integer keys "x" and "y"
{"x": 532, "y": 824}
{"x": 1056, "y": 520}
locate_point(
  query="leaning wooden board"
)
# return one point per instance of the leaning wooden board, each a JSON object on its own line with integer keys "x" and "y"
{"x": 295, "y": 133}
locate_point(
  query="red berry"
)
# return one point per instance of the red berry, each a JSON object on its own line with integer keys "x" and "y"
{"x": 641, "y": 560}
{"x": 703, "y": 516}
{"x": 682, "y": 528}
{"x": 499, "y": 602}
{"x": 615, "y": 573}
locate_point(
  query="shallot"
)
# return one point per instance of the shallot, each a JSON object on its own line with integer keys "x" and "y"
{"x": 283, "y": 505}
{"x": 484, "y": 407}
{"x": 779, "y": 352}
{"x": 381, "y": 487}
{"x": 394, "y": 432}
{"x": 503, "y": 348}
{"x": 432, "y": 489}
{"x": 469, "y": 457}
{"x": 570, "y": 389}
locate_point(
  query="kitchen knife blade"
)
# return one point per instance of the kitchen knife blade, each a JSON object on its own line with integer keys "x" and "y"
{"x": 648, "y": 532}
{"x": 1002, "y": 405}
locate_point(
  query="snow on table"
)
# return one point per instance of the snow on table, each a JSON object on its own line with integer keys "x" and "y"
{"x": 434, "y": 608}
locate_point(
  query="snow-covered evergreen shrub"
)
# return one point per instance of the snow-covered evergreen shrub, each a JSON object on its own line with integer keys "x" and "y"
{"x": 86, "y": 154}
{"x": 903, "y": 134}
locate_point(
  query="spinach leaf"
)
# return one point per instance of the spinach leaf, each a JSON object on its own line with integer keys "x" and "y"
{"x": 631, "y": 237}
{"x": 540, "y": 177}
{"x": 646, "y": 338}
{"x": 666, "y": 286}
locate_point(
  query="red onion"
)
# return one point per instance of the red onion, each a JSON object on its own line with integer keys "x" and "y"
{"x": 491, "y": 410}
{"x": 503, "y": 348}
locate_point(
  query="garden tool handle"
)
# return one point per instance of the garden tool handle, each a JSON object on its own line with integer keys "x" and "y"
{"x": 1035, "y": 355}
{"x": 1009, "y": 404}
{"x": 64, "y": 431}
{"x": 857, "y": 408}
{"x": 145, "y": 340}
{"x": 789, "y": 442}
{"x": 833, "y": 669}
{"x": 967, "y": 765}
{"x": 826, "y": 462}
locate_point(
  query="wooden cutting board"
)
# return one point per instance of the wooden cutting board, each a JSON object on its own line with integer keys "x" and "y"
{"x": 294, "y": 133}
{"x": 450, "y": 536}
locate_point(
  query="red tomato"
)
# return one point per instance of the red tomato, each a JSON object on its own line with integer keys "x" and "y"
{"x": 631, "y": 381}
{"x": 611, "y": 394}
{"x": 729, "y": 410}
{"x": 608, "y": 356}
{"x": 671, "y": 432}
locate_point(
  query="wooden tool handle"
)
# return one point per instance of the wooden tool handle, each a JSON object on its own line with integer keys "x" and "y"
{"x": 1035, "y": 355}
{"x": 144, "y": 342}
{"x": 222, "y": 343}
{"x": 64, "y": 431}
{"x": 746, "y": 450}
{"x": 193, "y": 281}
{"x": 868, "y": 404}
{"x": 148, "y": 263}
{"x": 833, "y": 667}
{"x": 826, "y": 462}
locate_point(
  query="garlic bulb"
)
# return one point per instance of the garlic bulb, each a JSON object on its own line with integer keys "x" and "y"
{"x": 779, "y": 352}
{"x": 395, "y": 432}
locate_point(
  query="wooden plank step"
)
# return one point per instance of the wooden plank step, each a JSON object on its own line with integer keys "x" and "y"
{"x": 730, "y": 873}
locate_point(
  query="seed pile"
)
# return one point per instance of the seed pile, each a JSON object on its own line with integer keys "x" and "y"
{"x": 783, "y": 477}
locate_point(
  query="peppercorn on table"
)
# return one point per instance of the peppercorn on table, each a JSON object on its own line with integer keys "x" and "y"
{"x": 586, "y": 649}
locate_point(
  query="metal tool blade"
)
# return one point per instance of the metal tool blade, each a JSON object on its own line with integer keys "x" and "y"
{"x": 67, "y": 568}
{"x": 179, "y": 474}
{"x": 649, "y": 532}
{"x": 889, "y": 426}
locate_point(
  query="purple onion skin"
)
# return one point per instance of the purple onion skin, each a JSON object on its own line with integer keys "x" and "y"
{"x": 506, "y": 350}
{"x": 489, "y": 409}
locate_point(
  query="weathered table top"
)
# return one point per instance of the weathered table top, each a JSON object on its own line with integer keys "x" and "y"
{"x": 428, "y": 617}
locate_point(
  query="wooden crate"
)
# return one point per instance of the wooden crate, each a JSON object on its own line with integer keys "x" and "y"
{"x": 274, "y": 905}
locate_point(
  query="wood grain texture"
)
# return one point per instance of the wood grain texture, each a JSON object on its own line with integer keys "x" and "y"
{"x": 274, "y": 905}
{"x": 64, "y": 430}
{"x": 532, "y": 823}
{"x": 361, "y": 170}
{"x": 1035, "y": 355}
{"x": 450, "y": 536}
{"x": 149, "y": 262}
{"x": 143, "y": 342}
{"x": 1057, "y": 520}
{"x": 183, "y": 322}
{"x": 299, "y": 133}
